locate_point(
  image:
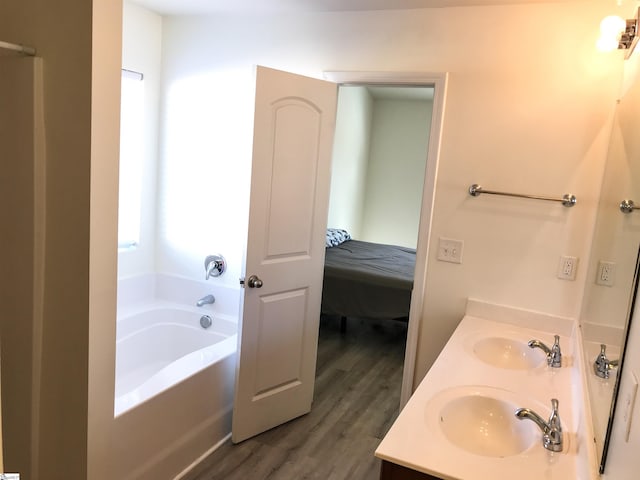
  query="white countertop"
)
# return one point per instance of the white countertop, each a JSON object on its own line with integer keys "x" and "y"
{"x": 416, "y": 440}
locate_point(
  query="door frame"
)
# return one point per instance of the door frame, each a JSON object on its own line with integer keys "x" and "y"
{"x": 439, "y": 82}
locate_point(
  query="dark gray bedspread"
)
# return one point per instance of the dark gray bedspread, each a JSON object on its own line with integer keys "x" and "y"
{"x": 364, "y": 279}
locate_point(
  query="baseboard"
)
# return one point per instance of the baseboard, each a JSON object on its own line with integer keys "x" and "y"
{"x": 197, "y": 461}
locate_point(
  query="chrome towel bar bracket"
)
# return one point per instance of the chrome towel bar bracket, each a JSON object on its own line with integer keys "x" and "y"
{"x": 567, "y": 200}
{"x": 627, "y": 206}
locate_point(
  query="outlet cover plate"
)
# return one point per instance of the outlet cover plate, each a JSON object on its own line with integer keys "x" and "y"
{"x": 606, "y": 273}
{"x": 567, "y": 267}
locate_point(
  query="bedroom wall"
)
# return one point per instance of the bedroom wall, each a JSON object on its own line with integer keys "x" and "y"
{"x": 395, "y": 176}
{"x": 141, "y": 52}
{"x": 531, "y": 114}
{"x": 350, "y": 159}
{"x": 378, "y": 166}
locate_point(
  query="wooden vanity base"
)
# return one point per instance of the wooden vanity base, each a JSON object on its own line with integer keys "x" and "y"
{"x": 392, "y": 471}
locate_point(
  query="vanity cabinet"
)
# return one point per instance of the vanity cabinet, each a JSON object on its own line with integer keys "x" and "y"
{"x": 392, "y": 471}
{"x": 443, "y": 427}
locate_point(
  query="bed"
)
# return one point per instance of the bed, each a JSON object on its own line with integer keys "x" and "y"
{"x": 371, "y": 280}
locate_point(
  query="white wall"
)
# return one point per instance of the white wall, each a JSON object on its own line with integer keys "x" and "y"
{"x": 395, "y": 177}
{"x": 534, "y": 124}
{"x": 141, "y": 52}
{"x": 106, "y": 61}
{"x": 19, "y": 321}
{"x": 350, "y": 159}
{"x": 530, "y": 116}
{"x": 203, "y": 188}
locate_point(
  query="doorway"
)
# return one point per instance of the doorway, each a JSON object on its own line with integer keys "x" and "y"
{"x": 419, "y": 87}
{"x": 379, "y": 159}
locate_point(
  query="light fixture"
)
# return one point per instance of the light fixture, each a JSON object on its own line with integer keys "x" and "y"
{"x": 617, "y": 33}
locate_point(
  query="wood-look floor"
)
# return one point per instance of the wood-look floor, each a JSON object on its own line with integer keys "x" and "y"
{"x": 357, "y": 393}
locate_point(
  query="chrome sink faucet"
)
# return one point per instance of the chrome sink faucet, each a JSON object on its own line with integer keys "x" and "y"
{"x": 206, "y": 300}
{"x": 554, "y": 355}
{"x": 602, "y": 366}
{"x": 551, "y": 430}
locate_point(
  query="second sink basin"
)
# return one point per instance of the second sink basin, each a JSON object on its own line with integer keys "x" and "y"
{"x": 507, "y": 353}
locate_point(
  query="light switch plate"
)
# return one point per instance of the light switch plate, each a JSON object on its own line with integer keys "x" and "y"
{"x": 628, "y": 402}
{"x": 450, "y": 250}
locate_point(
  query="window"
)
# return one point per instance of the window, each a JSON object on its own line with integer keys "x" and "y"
{"x": 131, "y": 159}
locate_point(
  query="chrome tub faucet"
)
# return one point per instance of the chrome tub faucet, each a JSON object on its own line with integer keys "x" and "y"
{"x": 551, "y": 430}
{"x": 214, "y": 266}
{"x": 554, "y": 355}
{"x": 206, "y": 300}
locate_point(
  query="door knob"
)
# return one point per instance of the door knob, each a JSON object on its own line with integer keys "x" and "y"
{"x": 254, "y": 282}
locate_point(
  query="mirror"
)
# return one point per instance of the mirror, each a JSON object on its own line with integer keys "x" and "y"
{"x": 611, "y": 270}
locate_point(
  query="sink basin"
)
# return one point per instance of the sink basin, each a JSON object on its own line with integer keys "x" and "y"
{"x": 483, "y": 424}
{"x": 507, "y": 353}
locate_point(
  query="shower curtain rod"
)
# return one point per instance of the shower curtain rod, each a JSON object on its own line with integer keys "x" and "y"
{"x": 18, "y": 48}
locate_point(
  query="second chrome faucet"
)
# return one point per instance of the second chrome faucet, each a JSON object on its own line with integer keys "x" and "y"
{"x": 554, "y": 355}
{"x": 602, "y": 365}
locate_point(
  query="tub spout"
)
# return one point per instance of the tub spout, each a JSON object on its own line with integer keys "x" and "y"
{"x": 206, "y": 300}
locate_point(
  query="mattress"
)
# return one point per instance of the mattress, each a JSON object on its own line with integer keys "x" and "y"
{"x": 365, "y": 279}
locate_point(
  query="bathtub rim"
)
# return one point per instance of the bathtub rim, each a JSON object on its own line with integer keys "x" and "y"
{"x": 183, "y": 367}
{"x": 148, "y": 391}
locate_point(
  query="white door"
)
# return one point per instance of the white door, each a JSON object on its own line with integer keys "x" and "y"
{"x": 293, "y": 137}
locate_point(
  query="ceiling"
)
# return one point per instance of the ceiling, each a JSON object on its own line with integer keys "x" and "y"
{"x": 192, "y": 7}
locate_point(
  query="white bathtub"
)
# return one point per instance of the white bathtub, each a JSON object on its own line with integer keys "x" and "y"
{"x": 159, "y": 347}
{"x": 174, "y": 379}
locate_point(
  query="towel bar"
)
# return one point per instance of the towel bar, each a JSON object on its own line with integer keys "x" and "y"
{"x": 18, "y": 48}
{"x": 567, "y": 200}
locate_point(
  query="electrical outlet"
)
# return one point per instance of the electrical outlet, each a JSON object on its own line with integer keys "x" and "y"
{"x": 606, "y": 273}
{"x": 567, "y": 268}
{"x": 450, "y": 250}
